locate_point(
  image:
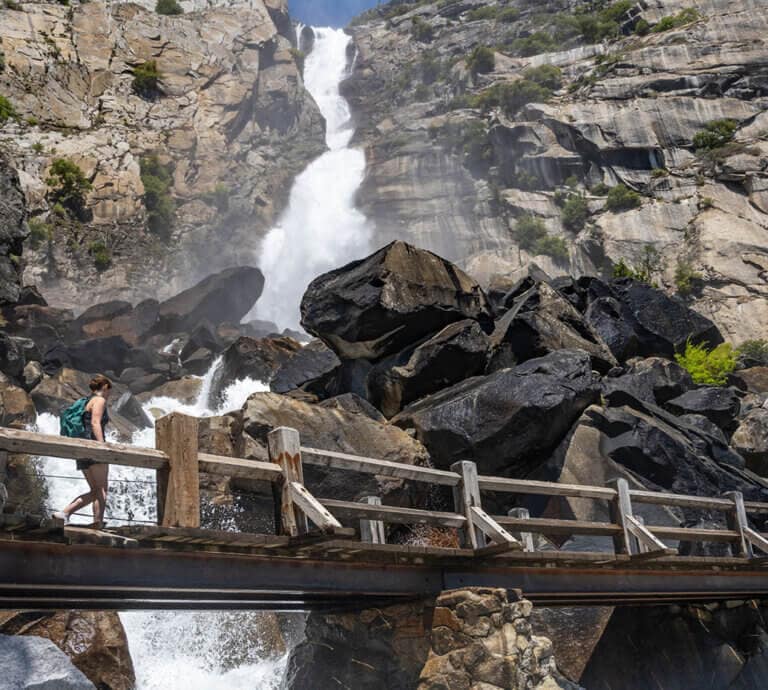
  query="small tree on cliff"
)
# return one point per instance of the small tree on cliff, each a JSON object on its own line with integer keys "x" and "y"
{"x": 146, "y": 80}
{"x": 168, "y": 7}
{"x": 69, "y": 186}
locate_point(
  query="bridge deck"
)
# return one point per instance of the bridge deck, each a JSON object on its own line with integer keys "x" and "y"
{"x": 49, "y": 566}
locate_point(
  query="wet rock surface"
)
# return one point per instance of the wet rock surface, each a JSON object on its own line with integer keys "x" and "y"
{"x": 33, "y": 663}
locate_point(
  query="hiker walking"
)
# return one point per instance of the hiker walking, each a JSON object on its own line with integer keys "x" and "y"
{"x": 88, "y": 418}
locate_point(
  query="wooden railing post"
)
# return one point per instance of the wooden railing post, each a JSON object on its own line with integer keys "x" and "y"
{"x": 737, "y": 521}
{"x": 372, "y": 531}
{"x": 285, "y": 450}
{"x": 621, "y": 507}
{"x": 526, "y": 538}
{"x": 466, "y": 495}
{"x": 178, "y": 486}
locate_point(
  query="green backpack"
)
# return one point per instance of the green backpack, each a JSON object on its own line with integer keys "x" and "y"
{"x": 71, "y": 420}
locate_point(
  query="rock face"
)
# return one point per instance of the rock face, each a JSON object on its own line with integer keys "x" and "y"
{"x": 751, "y": 440}
{"x": 32, "y": 663}
{"x": 509, "y": 419}
{"x": 94, "y": 640}
{"x": 13, "y": 231}
{"x": 453, "y": 177}
{"x": 375, "y": 307}
{"x": 231, "y": 122}
{"x": 719, "y": 405}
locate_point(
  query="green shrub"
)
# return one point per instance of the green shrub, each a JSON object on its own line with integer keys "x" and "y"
{"x": 510, "y": 96}
{"x": 600, "y": 189}
{"x": 102, "y": 257}
{"x": 481, "y": 60}
{"x": 575, "y": 212}
{"x": 717, "y": 133}
{"x": 38, "y": 147}
{"x": 161, "y": 208}
{"x": 146, "y": 80}
{"x": 686, "y": 278}
{"x": 168, "y": 7}
{"x": 548, "y": 76}
{"x": 621, "y": 198}
{"x": 7, "y": 111}
{"x": 39, "y": 232}
{"x": 649, "y": 266}
{"x": 218, "y": 196}
{"x": 421, "y": 30}
{"x": 482, "y": 13}
{"x": 686, "y": 16}
{"x": 659, "y": 172}
{"x": 708, "y": 367}
{"x": 529, "y": 230}
{"x": 69, "y": 186}
{"x": 642, "y": 28}
{"x": 535, "y": 44}
{"x": 754, "y": 352}
{"x": 508, "y": 15}
{"x": 706, "y": 202}
{"x": 554, "y": 247}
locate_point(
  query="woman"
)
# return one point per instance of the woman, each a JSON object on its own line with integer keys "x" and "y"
{"x": 95, "y": 420}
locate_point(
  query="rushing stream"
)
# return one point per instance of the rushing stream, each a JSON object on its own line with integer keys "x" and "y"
{"x": 321, "y": 229}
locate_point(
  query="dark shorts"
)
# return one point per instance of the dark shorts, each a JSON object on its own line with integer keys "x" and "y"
{"x": 83, "y": 465}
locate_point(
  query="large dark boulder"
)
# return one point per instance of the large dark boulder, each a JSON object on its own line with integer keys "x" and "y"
{"x": 612, "y": 321}
{"x": 719, "y": 405}
{"x": 94, "y": 356}
{"x": 223, "y": 297}
{"x": 117, "y": 318}
{"x": 12, "y": 358}
{"x": 46, "y": 326}
{"x": 457, "y": 352}
{"x": 310, "y": 362}
{"x": 541, "y": 321}
{"x": 507, "y": 422}
{"x": 13, "y": 231}
{"x": 394, "y": 298}
{"x": 654, "y": 380}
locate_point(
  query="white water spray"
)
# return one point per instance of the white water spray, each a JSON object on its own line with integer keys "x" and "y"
{"x": 321, "y": 229}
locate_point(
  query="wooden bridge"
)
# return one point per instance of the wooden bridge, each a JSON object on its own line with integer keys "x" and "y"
{"x": 313, "y": 561}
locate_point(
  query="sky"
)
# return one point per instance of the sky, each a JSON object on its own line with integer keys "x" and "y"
{"x": 327, "y": 12}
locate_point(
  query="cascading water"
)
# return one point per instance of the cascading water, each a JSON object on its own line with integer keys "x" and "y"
{"x": 321, "y": 229}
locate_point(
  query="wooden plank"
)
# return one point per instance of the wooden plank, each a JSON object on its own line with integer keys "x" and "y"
{"x": 372, "y": 531}
{"x": 178, "y": 486}
{"x": 284, "y": 450}
{"x": 737, "y": 521}
{"x": 313, "y": 509}
{"x": 237, "y": 467}
{"x": 393, "y": 514}
{"x": 756, "y": 539}
{"x": 46, "y": 445}
{"x": 756, "y": 507}
{"x": 525, "y": 538}
{"x": 650, "y": 546}
{"x": 621, "y": 510}
{"x": 492, "y": 529}
{"x": 552, "y": 526}
{"x": 84, "y": 535}
{"x": 466, "y": 495}
{"x": 693, "y": 533}
{"x": 680, "y": 500}
{"x": 528, "y": 486}
{"x": 385, "y": 468}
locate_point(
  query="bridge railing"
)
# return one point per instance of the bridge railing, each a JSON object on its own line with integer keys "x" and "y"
{"x": 178, "y": 463}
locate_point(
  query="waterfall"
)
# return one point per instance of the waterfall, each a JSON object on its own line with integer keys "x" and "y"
{"x": 321, "y": 229}
{"x": 176, "y": 650}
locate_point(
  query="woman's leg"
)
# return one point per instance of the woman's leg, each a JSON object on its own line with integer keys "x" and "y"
{"x": 84, "y": 499}
{"x": 98, "y": 481}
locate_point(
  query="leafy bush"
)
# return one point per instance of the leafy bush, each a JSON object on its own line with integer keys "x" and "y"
{"x": 650, "y": 265}
{"x": 708, "y": 367}
{"x": 600, "y": 189}
{"x": 685, "y": 278}
{"x": 508, "y": 15}
{"x": 102, "y": 257}
{"x": 686, "y": 16}
{"x": 754, "y": 352}
{"x": 531, "y": 235}
{"x": 168, "y": 7}
{"x": 548, "y": 76}
{"x": 575, "y": 212}
{"x": 642, "y": 28}
{"x": 535, "y": 44}
{"x": 717, "y": 133}
{"x": 510, "y": 96}
{"x": 422, "y": 31}
{"x": 7, "y": 111}
{"x": 481, "y": 60}
{"x": 38, "y": 147}
{"x": 554, "y": 247}
{"x": 146, "y": 80}
{"x": 69, "y": 185}
{"x": 161, "y": 208}
{"x": 621, "y": 198}
{"x": 482, "y": 13}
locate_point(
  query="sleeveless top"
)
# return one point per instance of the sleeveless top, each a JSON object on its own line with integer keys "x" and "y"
{"x": 87, "y": 421}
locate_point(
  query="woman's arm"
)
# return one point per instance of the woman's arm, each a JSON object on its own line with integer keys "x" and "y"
{"x": 97, "y": 412}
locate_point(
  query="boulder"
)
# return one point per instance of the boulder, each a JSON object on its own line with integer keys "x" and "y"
{"x": 458, "y": 351}
{"x": 32, "y": 375}
{"x": 202, "y": 336}
{"x": 608, "y": 318}
{"x": 198, "y": 362}
{"x": 12, "y": 359}
{"x": 222, "y": 297}
{"x": 719, "y": 405}
{"x": 338, "y": 430}
{"x": 104, "y": 312}
{"x": 751, "y": 440}
{"x": 34, "y": 663}
{"x": 118, "y": 318}
{"x": 28, "y": 348}
{"x": 312, "y": 361}
{"x": 94, "y": 640}
{"x": 509, "y": 421}
{"x": 395, "y": 297}
{"x": 754, "y": 379}
{"x": 13, "y": 231}
{"x": 16, "y": 407}
{"x": 94, "y": 355}
{"x": 185, "y": 390}
{"x": 349, "y": 402}
{"x": 46, "y": 326}
{"x": 541, "y": 321}
{"x": 654, "y": 380}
